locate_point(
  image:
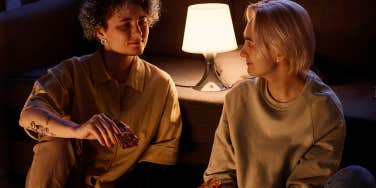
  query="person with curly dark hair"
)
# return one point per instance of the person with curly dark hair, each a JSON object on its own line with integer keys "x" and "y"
{"x": 83, "y": 109}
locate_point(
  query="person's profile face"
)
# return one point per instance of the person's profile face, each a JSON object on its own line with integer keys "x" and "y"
{"x": 257, "y": 63}
{"x": 127, "y": 30}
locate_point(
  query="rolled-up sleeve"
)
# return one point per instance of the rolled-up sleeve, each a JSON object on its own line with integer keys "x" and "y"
{"x": 50, "y": 92}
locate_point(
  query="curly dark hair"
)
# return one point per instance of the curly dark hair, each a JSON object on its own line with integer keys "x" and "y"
{"x": 95, "y": 13}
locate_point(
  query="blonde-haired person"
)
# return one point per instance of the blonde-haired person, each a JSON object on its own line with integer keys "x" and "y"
{"x": 285, "y": 127}
{"x": 74, "y": 106}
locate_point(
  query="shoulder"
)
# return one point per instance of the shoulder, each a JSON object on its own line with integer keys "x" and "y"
{"x": 326, "y": 108}
{"x": 322, "y": 96}
{"x": 68, "y": 65}
{"x": 241, "y": 94}
{"x": 243, "y": 88}
{"x": 155, "y": 73}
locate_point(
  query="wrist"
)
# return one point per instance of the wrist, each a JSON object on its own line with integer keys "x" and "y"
{"x": 72, "y": 129}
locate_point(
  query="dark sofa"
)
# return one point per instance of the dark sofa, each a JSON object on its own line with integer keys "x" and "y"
{"x": 41, "y": 34}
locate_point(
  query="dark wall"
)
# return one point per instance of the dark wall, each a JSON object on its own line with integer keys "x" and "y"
{"x": 346, "y": 36}
{"x": 39, "y": 34}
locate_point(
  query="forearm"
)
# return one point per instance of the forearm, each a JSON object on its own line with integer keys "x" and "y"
{"x": 47, "y": 123}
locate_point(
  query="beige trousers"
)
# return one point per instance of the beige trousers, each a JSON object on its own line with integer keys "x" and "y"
{"x": 55, "y": 164}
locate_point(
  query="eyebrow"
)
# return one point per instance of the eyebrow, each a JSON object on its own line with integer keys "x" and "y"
{"x": 125, "y": 19}
{"x": 129, "y": 19}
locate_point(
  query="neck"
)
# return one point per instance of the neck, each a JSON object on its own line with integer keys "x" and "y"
{"x": 118, "y": 65}
{"x": 285, "y": 87}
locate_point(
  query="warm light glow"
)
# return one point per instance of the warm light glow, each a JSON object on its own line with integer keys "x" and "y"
{"x": 209, "y": 29}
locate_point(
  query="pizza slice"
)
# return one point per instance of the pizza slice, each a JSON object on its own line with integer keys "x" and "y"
{"x": 212, "y": 183}
{"x": 127, "y": 137}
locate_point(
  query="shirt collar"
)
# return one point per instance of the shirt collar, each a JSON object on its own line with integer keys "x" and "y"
{"x": 136, "y": 77}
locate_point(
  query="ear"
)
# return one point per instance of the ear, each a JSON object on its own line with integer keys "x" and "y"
{"x": 280, "y": 58}
{"x": 101, "y": 34}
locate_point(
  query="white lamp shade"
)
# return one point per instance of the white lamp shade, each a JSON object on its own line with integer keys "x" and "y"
{"x": 209, "y": 29}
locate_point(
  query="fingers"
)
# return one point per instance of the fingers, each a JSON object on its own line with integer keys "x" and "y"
{"x": 107, "y": 130}
{"x": 109, "y": 121}
{"x": 101, "y": 128}
{"x": 104, "y": 133}
{"x": 94, "y": 132}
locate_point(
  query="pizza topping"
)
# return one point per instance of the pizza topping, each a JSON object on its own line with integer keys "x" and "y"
{"x": 212, "y": 183}
{"x": 127, "y": 137}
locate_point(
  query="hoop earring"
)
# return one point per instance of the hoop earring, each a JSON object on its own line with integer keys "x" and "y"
{"x": 103, "y": 41}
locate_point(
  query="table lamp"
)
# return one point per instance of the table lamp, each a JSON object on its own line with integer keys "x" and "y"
{"x": 208, "y": 31}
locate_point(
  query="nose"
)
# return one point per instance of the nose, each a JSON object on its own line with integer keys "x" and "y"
{"x": 243, "y": 52}
{"x": 136, "y": 30}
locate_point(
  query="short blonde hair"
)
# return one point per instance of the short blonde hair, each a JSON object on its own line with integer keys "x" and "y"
{"x": 284, "y": 27}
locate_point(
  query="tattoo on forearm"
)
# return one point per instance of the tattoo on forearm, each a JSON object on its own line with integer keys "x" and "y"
{"x": 43, "y": 131}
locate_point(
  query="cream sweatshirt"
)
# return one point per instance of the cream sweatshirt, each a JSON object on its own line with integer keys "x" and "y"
{"x": 262, "y": 143}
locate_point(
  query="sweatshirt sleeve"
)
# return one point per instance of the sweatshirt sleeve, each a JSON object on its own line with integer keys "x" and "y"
{"x": 221, "y": 164}
{"x": 324, "y": 156}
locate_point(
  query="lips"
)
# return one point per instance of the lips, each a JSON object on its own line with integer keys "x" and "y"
{"x": 135, "y": 41}
{"x": 138, "y": 43}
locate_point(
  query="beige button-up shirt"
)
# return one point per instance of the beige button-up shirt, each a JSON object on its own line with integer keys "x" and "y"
{"x": 80, "y": 87}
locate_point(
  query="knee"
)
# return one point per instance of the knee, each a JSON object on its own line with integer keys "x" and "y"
{"x": 52, "y": 163}
{"x": 56, "y": 149}
{"x": 351, "y": 176}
